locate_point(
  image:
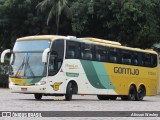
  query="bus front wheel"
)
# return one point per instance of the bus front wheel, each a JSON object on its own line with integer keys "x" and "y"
{"x": 69, "y": 92}
{"x": 38, "y": 96}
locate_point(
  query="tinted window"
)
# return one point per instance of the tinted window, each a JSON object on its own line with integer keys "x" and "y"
{"x": 114, "y": 54}
{"x": 73, "y": 50}
{"x": 58, "y": 48}
{"x": 56, "y": 57}
{"x": 101, "y": 53}
{"x": 153, "y": 60}
{"x": 87, "y": 51}
{"x": 146, "y": 60}
{"x": 126, "y": 57}
{"x": 135, "y": 58}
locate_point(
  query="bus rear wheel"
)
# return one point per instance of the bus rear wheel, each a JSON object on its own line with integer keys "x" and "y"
{"x": 132, "y": 93}
{"x": 38, "y": 96}
{"x": 69, "y": 92}
{"x": 141, "y": 93}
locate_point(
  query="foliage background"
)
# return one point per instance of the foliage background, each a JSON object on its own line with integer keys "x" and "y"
{"x": 134, "y": 23}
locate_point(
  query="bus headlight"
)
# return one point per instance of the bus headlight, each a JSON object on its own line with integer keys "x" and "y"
{"x": 40, "y": 83}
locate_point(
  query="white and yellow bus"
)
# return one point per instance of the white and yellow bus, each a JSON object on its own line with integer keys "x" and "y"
{"x": 63, "y": 66}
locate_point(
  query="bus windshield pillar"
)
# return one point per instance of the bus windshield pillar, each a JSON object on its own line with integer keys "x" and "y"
{"x": 44, "y": 55}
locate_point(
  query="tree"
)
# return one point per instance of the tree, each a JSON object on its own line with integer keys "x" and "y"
{"x": 18, "y": 18}
{"x": 55, "y": 7}
{"x": 131, "y": 22}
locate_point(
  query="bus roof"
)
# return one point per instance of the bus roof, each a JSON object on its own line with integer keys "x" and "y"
{"x": 102, "y": 41}
{"x": 41, "y": 37}
{"x": 116, "y": 45}
{"x": 92, "y": 40}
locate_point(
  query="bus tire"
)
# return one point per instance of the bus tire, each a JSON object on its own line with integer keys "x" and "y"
{"x": 38, "y": 96}
{"x": 103, "y": 97}
{"x": 141, "y": 93}
{"x": 132, "y": 93}
{"x": 69, "y": 93}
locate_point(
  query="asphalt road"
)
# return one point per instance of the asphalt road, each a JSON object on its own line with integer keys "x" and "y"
{"x": 26, "y": 102}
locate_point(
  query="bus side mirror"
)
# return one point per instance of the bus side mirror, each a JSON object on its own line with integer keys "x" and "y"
{"x": 3, "y": 54}
{"x": 45, "y": 54}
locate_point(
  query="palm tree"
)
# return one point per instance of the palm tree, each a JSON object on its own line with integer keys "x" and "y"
{"x": 55, "y": 7}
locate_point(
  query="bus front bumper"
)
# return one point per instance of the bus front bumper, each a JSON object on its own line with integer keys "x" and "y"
{"x": 28, "y": 89}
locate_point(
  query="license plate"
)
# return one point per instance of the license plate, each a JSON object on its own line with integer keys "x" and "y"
{"x": 23, "y": 89}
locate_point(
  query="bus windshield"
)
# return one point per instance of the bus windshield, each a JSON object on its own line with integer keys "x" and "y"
{"x": 26, "y": 59}
{"x": 27, "y": 65}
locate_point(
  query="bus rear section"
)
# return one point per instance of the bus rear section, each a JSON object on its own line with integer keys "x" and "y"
{"x": 111, "y": 70}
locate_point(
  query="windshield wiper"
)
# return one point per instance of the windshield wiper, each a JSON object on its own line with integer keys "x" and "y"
{"x": 20, "y": 68}
{"x": 28, "y": 66}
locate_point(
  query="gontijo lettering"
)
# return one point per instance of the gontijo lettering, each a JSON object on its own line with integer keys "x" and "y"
{"x": 128, "y": 71}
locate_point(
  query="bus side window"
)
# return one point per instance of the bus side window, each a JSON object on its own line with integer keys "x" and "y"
{"x": 113, "y": 59}
{"x": 98, "y": 57}
{"x": 114, "y": 55}
{"x": 135, "y": 59}
{"x": 88, "y": 56}
{"x": 82, "y": 55}
{"x": 126, "y": 57}
{"x": 70, "y": 54}
{"x": 56, "y": 57}
{"x": 101, "y": 53}
{"x": 153, "y": 60}
{"x": 87, "y": 51}
{"x": 146, "y": 60}
{"x": 72, "y": 50}
{"x": 135, "y": 62}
